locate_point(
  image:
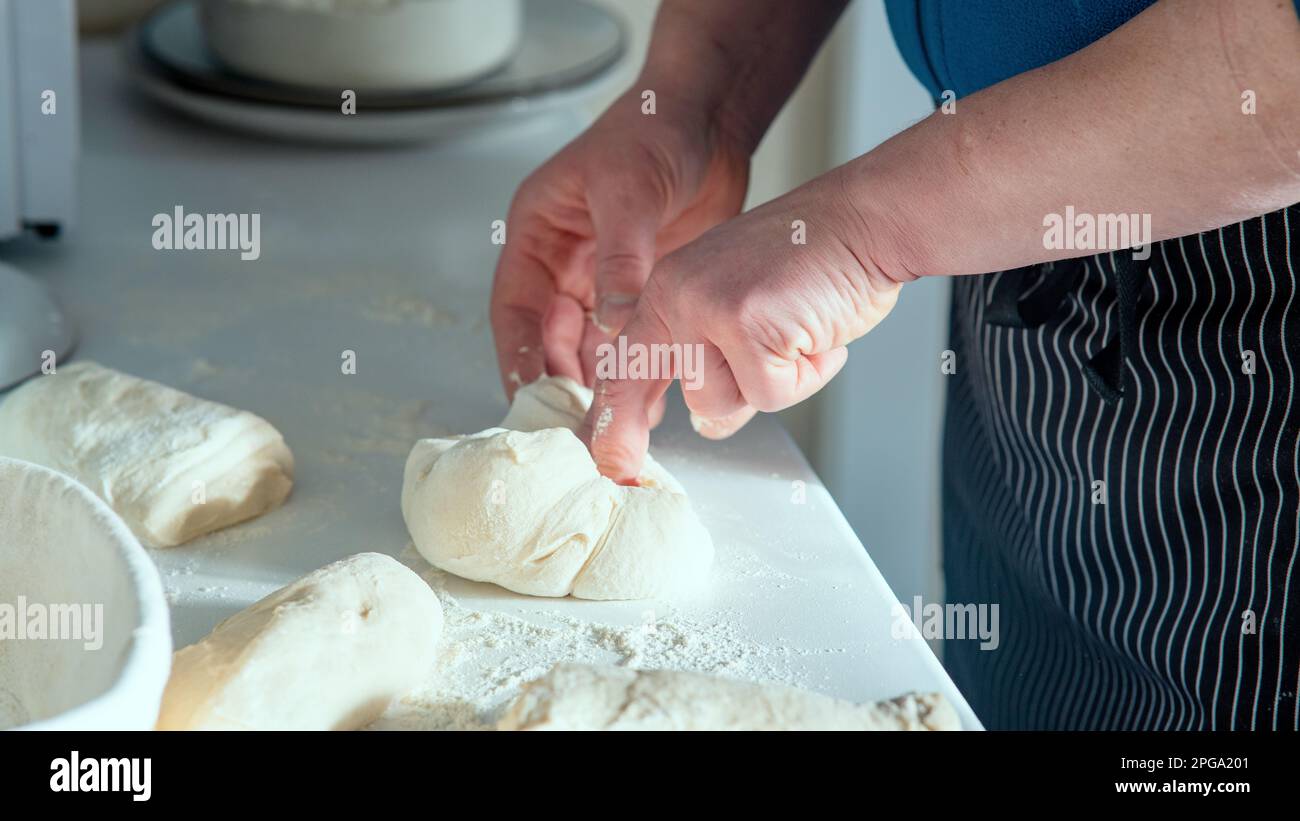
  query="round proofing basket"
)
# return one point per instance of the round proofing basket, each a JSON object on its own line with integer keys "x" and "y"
{"x": 103, "y": 657}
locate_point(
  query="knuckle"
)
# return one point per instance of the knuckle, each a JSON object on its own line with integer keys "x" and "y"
{"x": 622, "y": 271}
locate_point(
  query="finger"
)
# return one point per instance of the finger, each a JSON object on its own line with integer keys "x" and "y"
{"x": 711, "y": 392}
{"x": 561, "y": 336}
{"x": 617, "y": 427}
{"x": 626, "y": 218}
{"x": 771, "y": 384}
{"x": 657, "y": 410}
{"x": 721, "y": 428}
{"x": 590, "y": 352}
{"x": 522, "y": 290}
{"x": 718, "y": 409}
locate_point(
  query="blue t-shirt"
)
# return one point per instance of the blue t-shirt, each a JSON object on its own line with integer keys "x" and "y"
{"x": 967, "y": 45}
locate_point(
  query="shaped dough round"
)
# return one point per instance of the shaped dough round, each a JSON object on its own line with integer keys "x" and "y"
{"x": 523, "y": 506}
{"x": 328, "y": 652}
{"x": 173, "y": 466}
{"x": 585, "y": 697}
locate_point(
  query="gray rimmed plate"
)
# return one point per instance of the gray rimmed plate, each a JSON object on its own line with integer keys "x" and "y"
{"x": 568, "y": 49}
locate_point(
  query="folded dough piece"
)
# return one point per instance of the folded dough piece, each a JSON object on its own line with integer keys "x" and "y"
{"x": 523, "y": 506}
{"x": 328, "y": 652}
{"x": 173, "y": 466}
{"x": 585, "y": 697}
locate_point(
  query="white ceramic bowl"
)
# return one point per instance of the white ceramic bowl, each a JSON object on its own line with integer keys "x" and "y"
{"x": 390, "y": 45}
{"x": 62, "y": 546}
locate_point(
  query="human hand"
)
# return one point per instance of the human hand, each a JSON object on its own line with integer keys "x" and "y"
{"x": 585, "y": 229}
{"x": 759, "y": 319}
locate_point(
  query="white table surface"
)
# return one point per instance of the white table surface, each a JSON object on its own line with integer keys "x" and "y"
{"x": 386, "y": 252}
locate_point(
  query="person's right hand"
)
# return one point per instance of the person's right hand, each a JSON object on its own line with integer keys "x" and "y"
{"x": 756, "y": 315}
{"x": 585, "y": 229}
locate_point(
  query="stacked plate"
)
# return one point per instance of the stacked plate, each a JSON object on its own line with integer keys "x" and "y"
{"x": 415, "y": 69}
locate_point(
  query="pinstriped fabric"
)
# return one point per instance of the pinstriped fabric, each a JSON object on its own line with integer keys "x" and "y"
{"x": 1173, "y": 600}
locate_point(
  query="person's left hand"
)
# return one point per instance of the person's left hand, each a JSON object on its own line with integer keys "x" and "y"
{"x": 770, "y": 318}
{"x": 587, "y": 226}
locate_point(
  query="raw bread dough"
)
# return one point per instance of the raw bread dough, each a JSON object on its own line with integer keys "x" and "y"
{"x": 584, "y": 697}
{"x": 328, "y": 652}
{"x": 148, "y": 450}
{"x": 523, "y": 506}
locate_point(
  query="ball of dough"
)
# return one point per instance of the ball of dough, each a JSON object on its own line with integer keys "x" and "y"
{"x": 328, "y": 652}
{"x": 173, "y": 466}
{"x": 587, "y": 697}
{"x": 523, "y": 506}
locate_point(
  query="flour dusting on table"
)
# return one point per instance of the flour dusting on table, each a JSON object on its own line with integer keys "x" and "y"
{"x": 485, "y": 656}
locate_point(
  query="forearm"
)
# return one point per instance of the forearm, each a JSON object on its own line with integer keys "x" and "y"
{"x": 738, "y": 60}
{"x": 1148, "y": 120}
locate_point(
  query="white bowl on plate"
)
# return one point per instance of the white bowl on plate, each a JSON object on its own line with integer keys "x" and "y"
{"x": 388, "y": 45}
{"x": 61, "y": 546}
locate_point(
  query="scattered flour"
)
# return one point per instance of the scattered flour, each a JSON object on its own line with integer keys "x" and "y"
{"x": 398, "y": 310}
{"x": 487, "y": 655}
{"x": 12, "y": 712}
{"x": 603, "y": 420}
{"x": 379, "y": 425}
{"x": 201, "y": 369}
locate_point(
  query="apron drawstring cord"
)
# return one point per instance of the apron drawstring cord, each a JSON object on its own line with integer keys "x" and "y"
{"x": 1028, "y": 297}
{"x": 1107, "y": 372}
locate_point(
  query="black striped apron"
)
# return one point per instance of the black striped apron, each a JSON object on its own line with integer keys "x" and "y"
{"x": 1121, "y": 479}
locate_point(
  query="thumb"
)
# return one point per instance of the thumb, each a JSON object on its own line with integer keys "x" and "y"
{"x": 626, "y": 223}
{"x": 617, "y": 427}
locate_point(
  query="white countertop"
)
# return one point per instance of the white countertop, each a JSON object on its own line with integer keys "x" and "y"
{"x": 387, "y": 253}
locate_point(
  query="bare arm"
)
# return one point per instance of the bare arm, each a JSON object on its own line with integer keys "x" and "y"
{"x": 738, "y": 58}
{"x": 586, "y": 228}
{"x": 1147, "y": 120}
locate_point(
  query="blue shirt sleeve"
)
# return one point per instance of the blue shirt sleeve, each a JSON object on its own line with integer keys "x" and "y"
{"x": 964, "y": 46}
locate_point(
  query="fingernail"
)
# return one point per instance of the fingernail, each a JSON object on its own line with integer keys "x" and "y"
{"x": 614, "y": 311}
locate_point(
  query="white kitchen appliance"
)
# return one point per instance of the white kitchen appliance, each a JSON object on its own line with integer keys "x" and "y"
{"x": 39, "y": 138}
{"x": 38, "y": 115}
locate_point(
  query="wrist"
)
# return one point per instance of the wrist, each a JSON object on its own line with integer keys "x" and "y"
{"x": 931, "y": 201}
{"x": 739, "y": 75}
{"x": 883, "y": 224}
{"x": 682, "y": 97}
